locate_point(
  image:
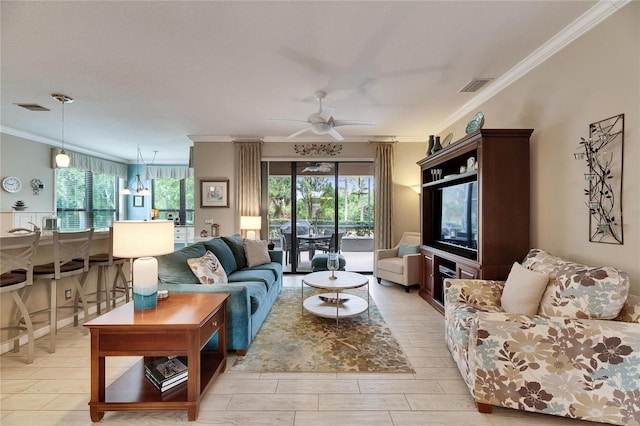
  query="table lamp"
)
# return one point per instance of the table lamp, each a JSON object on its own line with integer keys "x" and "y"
{"x": 251, "y": 223}
{"x": 140, "y": 240}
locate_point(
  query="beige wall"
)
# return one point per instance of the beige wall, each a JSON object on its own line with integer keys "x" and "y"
{"x": 207, "y": 163}
{"x": 26, "y": 160}
{"x": 595, "y": 77}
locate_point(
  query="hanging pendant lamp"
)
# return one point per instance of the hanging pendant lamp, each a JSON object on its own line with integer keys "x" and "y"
{"x": 139, "y": 188}
{"x": 62, "y": 159}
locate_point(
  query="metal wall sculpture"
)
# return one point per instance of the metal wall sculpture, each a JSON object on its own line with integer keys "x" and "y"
{"x": 330, "y": 149}
{"x": 604, "y": 155}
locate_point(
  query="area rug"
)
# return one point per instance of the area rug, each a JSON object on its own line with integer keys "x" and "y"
{"x": 293, "y": 341}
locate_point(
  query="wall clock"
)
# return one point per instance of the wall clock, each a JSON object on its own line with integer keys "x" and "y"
{"x": 11, "y": 184}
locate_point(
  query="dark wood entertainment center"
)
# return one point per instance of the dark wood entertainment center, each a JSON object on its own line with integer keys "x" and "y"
{"x": 501, "y": 173}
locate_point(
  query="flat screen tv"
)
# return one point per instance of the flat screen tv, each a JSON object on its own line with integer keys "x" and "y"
{"x": 456, "y": 214}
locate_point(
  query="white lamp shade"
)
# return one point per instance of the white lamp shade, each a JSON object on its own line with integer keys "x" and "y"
{"x": 137, "y": 238}
{"x": 250, "y": 222}
{"x": 62, "y": 159}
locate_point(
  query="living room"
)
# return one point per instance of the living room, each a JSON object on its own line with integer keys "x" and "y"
{"x": 558, "y": 98}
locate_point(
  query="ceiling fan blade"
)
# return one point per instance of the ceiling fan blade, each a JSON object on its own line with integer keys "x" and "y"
{"x": 288, "y": 119}
{"x": 299, "y": 132}
{"x": 352, "y": 123}
{"x": 334, "y": 134}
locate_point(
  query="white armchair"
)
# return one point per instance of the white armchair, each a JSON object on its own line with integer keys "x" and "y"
{"x": 403, "y": 270}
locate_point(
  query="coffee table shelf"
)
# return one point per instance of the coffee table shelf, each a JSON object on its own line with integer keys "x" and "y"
{"x": 350, "y": 308}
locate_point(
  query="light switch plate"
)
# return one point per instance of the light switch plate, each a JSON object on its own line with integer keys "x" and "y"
{"x": 208, "y": 221}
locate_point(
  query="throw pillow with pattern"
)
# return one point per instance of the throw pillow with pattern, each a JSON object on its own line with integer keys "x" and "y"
{"x": 208, "y": 269}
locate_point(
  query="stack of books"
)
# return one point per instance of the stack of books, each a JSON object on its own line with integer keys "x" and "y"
{"x": 167, "y": 372}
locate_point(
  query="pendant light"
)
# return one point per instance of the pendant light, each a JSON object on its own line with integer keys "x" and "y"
{"x": 62, "y": 159}
{"x": 139, "y": 188}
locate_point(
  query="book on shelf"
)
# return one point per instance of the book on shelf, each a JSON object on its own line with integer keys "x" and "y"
{"x": 167, "y": 372}
{"x": 168, "y": 384}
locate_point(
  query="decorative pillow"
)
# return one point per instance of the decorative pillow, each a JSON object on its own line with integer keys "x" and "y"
{"x": 541, "y": 261}
{"x": 586, "y": 293}
{"x": 208, "y": 269}
{"x": 173, "y": 267}
{"x": 631, "y": 310}
{"x": 236, "y": 244}
{"x": 405, "y": 249}
{"x": 256, "y": 252}
{"x": 523, "y": 290}
{"x": 224, "y": 254}
{"x": 578, "y": 291}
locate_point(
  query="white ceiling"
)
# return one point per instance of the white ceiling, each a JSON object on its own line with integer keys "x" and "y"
{"x": 162, "y": 74}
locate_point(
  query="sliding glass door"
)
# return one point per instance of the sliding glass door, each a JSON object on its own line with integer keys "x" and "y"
{"x": 317, "y": 207}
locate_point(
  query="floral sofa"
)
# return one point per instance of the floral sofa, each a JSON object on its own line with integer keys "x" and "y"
{"x": 578, "y": 356}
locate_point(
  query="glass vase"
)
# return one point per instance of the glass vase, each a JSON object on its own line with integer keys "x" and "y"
{"x": 332, "y": 264}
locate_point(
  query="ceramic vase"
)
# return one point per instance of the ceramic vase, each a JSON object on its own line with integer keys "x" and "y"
{"x": 437, "y": 147}
{"x": 430, "y": 147}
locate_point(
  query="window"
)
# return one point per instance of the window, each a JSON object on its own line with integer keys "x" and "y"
{"x": 174, "y": 198}
{"x": 85, "y": 199}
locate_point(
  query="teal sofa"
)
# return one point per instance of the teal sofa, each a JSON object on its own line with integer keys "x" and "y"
{"x": 252, "y": 290}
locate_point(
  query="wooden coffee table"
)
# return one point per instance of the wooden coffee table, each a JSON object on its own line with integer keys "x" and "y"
{"x": 336, "y": 304}
{"x": 180, "y": 325}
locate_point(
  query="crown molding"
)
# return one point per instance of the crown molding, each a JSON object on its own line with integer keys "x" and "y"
{"x": 54, "y": 143}
{"x": 306, "y": 139}
{"x": 591, "y": 18}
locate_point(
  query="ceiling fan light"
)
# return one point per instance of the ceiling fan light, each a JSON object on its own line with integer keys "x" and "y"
{"x": 62, "y": 159}
{"x": 320, "y": 128}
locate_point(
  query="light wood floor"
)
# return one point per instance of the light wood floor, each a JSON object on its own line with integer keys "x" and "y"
{"x": 54, "y": 390}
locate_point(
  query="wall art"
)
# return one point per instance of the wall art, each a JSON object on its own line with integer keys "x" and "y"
{"x": 214, "y": 193}
{"x": 604, "y": 156}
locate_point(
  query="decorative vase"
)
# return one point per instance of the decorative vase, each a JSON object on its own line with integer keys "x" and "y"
{"x": 19, "y": 206}
{"x": 430, "y": 147}
{"x": 437, "y": 147}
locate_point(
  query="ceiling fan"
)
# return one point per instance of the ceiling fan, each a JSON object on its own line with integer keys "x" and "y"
{"x": 323, "y": 122}
{"x": 318, "y": 167}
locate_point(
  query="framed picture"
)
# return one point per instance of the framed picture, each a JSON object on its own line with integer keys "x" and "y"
{"x": 138, "y": 201}
{"x": 215, "y": 230}
{"x": 214, "y": 193}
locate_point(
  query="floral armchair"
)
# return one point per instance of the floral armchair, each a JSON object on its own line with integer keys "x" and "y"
{"x": 578, "y": 357}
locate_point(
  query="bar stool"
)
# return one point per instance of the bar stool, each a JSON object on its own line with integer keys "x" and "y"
{"x": 104, "y": 261}
{"x": 16, "y": 272}
{"x": 70, "y": 260}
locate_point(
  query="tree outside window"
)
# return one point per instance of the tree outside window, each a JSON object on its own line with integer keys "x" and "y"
{"x": 85, "y": 199}
{"x": 174, "y": 198}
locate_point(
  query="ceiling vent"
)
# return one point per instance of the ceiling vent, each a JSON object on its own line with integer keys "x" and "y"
{"x": 33, "y": 107}
{"x": 475, "y": 84}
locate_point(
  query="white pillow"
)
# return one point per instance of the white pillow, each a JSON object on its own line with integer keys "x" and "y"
{"x": 256, "y": 252}
{"x": 523, "y": 290}
{"x": 208, "y": 269}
